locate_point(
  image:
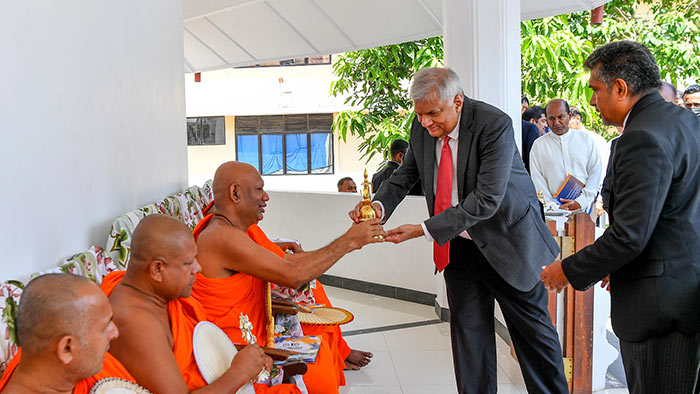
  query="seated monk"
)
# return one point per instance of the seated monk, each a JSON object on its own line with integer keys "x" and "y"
{"x": 235, "y": 267}
{"x": 64, "y": 326}
{"x": 156, "y": 316}
{"x": 354, "y": 359}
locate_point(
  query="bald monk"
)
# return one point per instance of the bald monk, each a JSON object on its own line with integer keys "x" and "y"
{"x": 64, "y": 327}
{"x": 156, "y": 316}
{"x": 235, "y": 265}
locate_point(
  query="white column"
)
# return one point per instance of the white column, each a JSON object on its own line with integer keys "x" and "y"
{"x": 482, "y": 44}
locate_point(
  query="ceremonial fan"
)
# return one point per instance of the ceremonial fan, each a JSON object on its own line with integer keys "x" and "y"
{"x": 117, "y": 386}
{"x": 213, "y": 352}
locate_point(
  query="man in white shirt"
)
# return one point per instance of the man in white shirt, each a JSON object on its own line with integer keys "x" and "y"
{"x": 560, "y": 153}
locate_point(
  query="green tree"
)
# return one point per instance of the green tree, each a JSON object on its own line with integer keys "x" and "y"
{"x": 553, "y": 52}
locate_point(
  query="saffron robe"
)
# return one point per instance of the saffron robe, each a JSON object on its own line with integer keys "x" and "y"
{"x": 111, "y": 368}
{"x": 226, "y": 298}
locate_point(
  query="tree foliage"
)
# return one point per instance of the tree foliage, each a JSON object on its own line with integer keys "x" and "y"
{"x": 553, "y": 51}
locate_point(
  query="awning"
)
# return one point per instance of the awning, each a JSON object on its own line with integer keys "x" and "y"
{"x": 229, "y": 33}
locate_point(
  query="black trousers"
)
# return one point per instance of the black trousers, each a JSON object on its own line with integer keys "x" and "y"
{"x": 663, "y": 365}
{"x": 472, "y": 286}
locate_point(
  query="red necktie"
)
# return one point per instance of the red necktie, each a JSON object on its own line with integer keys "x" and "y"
{"x": 443, "y": 200}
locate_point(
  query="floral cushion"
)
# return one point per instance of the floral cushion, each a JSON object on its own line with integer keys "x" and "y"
{"x": 171, "y": 206}
{"x": 208, "y": 192}
{"x": 92, "y": 264}
{"x": 195, "y": 193}
{"x": 10, "y": 293}
{"x": 118, "y": 245}
{"x": 190, "y": 210}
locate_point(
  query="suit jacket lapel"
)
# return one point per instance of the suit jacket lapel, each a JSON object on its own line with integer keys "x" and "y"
{"x": 464, "y": 146}
{"x": 429, "y": 169}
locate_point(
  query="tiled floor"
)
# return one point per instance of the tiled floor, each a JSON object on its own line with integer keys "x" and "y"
{"x": 413, "y": 360}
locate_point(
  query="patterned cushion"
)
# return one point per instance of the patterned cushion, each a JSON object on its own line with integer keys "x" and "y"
{"x": 208, "y": 192}
{"x": 195, "y": 193}
{"x": 92, "y": 264}
{"x": 189, "y": 209}
{"x": 118, "y": 245}
{"x": 10, "y": 293}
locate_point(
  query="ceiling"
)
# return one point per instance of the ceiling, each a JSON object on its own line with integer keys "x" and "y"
{"x": 229, "y": 33}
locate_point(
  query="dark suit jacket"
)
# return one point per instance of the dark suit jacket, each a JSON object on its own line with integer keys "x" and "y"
{"x": 652, "y": 248}
{"x": 385, "y": 173}
{"x": 530, "y": 132}
{"x": 498, "y": 204}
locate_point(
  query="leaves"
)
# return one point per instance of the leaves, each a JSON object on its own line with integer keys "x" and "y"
{"x": 553, "y": 51}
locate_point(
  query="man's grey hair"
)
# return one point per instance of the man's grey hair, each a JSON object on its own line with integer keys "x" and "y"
{"x": 434, "y": 82}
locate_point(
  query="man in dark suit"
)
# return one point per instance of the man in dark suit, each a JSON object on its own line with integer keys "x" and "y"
{"x": 397, "y": 150}
{"x": 652, "y": 247}
{"x": 486, "y": 224}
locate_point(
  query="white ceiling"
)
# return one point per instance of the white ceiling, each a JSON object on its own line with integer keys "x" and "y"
{"x": 229, "y": 33}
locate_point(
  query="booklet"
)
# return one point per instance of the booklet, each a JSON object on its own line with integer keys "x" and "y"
{"x": 570, "y": 189}
{"x": 304, "y": 348}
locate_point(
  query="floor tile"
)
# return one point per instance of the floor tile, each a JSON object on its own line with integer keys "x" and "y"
{"x": 429, "y": 389}
{"x": 374, "y": 342}
{"x": 423, "y": 367}
{"x": 507, "y": 388}
{"x": 370, "y": 390}
{"x": 374, "y": 311}
{"x": 432, "y": 337}
{"x": 380, "y": 372}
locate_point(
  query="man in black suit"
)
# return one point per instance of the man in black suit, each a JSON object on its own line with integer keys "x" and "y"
{"x": 485, "y": 221}
{"x": 652, "y": 247}
{"x": 397, "y": 150}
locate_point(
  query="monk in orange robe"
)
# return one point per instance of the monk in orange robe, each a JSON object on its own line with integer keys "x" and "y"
{"x": 353, "y": 359}
{"x": 156, "y": 316}
{"x": 64, "y": 325}
{"x": 235, "y": 267}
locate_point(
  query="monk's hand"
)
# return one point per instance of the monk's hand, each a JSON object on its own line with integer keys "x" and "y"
{"x": 250, "y": 361}
{"x": 553, "y": 277}
{"x": 355, "y": 213}
{"x": 291, "y": 246}
{"x": 570, "y": 205}
{"x": 404, "y": 233}
{"x": 363, "y": 233}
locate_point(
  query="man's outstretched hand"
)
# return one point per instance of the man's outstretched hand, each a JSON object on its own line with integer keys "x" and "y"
{"x": 553, "y": 277}
{"x": 403, "y": 233}
{"x": 355, "y": 213}
{"x": 363, "y": 233}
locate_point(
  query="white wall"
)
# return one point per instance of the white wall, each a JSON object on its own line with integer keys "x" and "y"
{"x": 93, "y": 121}
{"x": 316, "y": 219}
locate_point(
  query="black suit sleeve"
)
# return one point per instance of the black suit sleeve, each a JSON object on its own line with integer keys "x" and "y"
{"x": 496, "y": 152}
{"x": 642, "y": 178}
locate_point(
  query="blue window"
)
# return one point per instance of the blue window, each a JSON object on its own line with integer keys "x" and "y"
{"x": 286, "y": 144}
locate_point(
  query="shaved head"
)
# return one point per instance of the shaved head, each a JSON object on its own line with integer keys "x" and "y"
{"x": 157, "y": 237}
{"x": 163, "y": 254}
{"x": 227, "y": 174}
{"x": 238, "y": 193}
{"x": 55, "y": 305}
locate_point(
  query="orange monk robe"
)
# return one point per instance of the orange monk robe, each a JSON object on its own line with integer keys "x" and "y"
{"x": 331, "y": 334}
{"x": 226, "y": 298}
{"x": 184, "y": 314}
{"x": 111, "y": 368}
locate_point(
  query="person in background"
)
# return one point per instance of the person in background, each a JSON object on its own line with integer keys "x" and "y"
{"x": 691, "y": 99}
{"x": 347, "y": 185}
{"x": 397, "y": 150}
{"x": 651, "y": 248}
{"x": 536, "y": 116}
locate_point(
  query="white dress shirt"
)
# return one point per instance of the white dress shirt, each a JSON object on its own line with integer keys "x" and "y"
{"x": 553, "y": 157}
{"x": 454, "y": 145}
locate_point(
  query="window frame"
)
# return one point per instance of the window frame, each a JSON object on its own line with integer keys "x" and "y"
{"x": 259, "y": 132}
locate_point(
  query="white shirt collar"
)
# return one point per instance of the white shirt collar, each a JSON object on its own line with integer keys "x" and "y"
{"x": 624, "y": 123}
{"x": 454, "y": 135}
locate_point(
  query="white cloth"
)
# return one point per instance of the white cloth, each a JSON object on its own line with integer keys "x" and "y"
{"x": 603, "y": 147}
{"x": 553, "y": 157}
